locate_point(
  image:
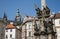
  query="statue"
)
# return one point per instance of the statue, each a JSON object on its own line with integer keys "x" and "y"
{"x": 38, "y": 11}
{"x": 48, "y": 26}
{"x": 46, "y": 11}
{"x": 37, "y": 27}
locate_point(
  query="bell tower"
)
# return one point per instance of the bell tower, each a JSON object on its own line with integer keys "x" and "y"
{"x": 18, "y": 17}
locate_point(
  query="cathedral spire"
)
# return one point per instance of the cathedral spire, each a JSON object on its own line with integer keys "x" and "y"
{"x": 5, "y": 17}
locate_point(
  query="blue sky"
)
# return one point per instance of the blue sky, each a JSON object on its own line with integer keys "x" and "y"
{"x": 25, "y": 6}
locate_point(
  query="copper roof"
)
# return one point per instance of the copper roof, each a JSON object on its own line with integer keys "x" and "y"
{"x": 10, "y": 26}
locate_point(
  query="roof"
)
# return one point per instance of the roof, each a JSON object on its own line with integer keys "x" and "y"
{"x": 57, "y": 16}
{"x": 29, "y": 18}
{"x": 52, "y": 16}
{"x": 10, "y": 26}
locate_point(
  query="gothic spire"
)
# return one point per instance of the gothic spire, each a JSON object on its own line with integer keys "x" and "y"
{"x": 4, "y": 15}
{"x": 5, "y": 18}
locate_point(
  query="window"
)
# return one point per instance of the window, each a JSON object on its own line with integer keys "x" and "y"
{"x": 10, "y": 30}
{"x": 25, "y": 26}
{"x": 6, "y": 36}
{"x": 38, "y": 26}
{"x": 10, "y": 35}
{"x": 29, "y": 26}
{"x": 29, "y": 34}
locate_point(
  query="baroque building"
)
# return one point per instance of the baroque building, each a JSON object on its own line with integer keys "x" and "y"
{"x": 10, "y": 29}
{"x": 43, "y": 29}
{"x": 28, "y": 28}
{"x": 11, "y": 32}
{"x": 57, "y": 24}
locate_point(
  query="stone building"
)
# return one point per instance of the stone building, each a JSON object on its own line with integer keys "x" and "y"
{"x": 40, "y": 28}
{"x": 11, "y": 32}
{"x": 28, "y": 28}
{"x": 57, "y": 24}
{"x": 2, "y": 29}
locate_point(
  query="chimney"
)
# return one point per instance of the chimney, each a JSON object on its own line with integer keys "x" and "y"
{"x": 11, "y": 22}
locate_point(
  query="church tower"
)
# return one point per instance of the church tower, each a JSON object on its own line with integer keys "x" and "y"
{"x": 18, "y": 17}
{"x": 5, "y": 18}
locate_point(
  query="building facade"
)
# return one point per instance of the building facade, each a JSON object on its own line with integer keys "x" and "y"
{"x": 2, "y": 29}
{"x": 28, "y": 28}
{"x": 11, "y": 32}
{"x": 57, "y": 25}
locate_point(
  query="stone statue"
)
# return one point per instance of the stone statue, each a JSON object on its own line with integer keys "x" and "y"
{"x": 48, "y": 26}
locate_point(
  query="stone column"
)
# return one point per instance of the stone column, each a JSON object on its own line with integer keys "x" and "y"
{"x": 37, "y": 37}
{"x": 50, "y": 36}
{"x": 43, "y": 4}
{"x": 43, "y": 36}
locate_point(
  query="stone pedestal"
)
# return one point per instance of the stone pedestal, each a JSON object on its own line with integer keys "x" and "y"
{"x": 37, "y": 37}
{"x": 50, "y": 36}
{"x": 43, "y": 36}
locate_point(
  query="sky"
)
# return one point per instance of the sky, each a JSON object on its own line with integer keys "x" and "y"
{"x": 25, "y": 7}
